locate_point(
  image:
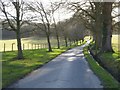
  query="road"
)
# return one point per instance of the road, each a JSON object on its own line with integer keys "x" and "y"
{"x": 68, "y": 70}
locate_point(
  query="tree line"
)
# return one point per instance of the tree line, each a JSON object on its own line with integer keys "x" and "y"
{"x": 98, "y": 18}
{"x": 93, "y": 16}
{"x": 44, "y": 17}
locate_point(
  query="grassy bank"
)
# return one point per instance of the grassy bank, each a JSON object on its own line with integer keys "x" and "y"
{"x": 13, "y": 69}
{"x": 106, "y": 79}
{"x": 112, "y": 63}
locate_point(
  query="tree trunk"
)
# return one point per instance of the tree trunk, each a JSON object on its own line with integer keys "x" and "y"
{"x": 70, "y": 42}
{"x": 57, "y": 37}
{"x": 66, "y": 42}
{"x": 20, "y": 54}
{"x": 49, "y": 44}
{"x": 58, "y": 42}
{"x": 98, "y": 40}
{"x": 98, "y": 25}
{"x": 94, "y": 36}
{"x": 48, "y": 37}
{"x": 107, "y": 27}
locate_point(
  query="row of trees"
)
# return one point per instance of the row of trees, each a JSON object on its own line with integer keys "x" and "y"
{"x": 97, "y": 17}
{"x": 28, "y": 12}
{"x": 94, "y": 16}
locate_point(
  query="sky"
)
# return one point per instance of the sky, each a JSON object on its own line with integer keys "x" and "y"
{"x": 60, "y": 14}
{"x": 65, "y": 14}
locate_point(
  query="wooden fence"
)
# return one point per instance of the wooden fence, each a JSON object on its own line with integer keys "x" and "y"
{"x": 25, "y": 46}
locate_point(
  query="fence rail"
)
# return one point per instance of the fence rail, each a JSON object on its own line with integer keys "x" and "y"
{"x": 25, "y": 46}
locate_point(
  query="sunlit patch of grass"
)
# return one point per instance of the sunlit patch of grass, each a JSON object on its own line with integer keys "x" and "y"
{"x": 106, "y": 79}
{"x": 13, "y": 70}
{"x": 115, "y": 43}
{"x": 111, "y": 56}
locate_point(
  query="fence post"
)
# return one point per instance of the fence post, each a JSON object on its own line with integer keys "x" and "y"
{"x": 32, "y": 46}
{"x": 38, "y": 46}
{"x": 12, "y": 46}
{"x": 45, "y": 45}
{"x": 4, "y": 47}
{"x": 28, "y": 45}
{"x": 42, "y": 46}
{"x": 23, "y": 46}
{"x": 35, "y": 46}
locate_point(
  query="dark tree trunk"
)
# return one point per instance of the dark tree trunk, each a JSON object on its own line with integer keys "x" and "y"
{"x": 76, "y": 42}
{"x": 20, "y": 54}
{"x": 70, "y": 42}
{"x": 94, "y": 37}
{"x": 66, "y": 42}
{"x": 98, "y": 40}
{"x": 48, "y": 38}
{"x": 49, "y": 44}
{"x": 98, "y": 25}
{"x": 57, "y": 37}
{"x": 107, "y": 27}
{"x": 58, "y": 42}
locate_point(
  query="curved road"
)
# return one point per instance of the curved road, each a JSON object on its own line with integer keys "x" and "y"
{"x": 68, "y": 70}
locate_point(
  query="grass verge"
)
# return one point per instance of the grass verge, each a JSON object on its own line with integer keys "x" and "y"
{"x": 106, "y": 79}
{"x": 13, "y": 70}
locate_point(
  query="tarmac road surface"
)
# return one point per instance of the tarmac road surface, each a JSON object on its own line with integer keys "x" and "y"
{"x": 68, "y": 70}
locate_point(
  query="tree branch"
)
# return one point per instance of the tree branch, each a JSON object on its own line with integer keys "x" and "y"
{"x": 5, "y": 13}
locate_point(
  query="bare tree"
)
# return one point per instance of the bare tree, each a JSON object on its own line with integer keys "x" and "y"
{"x": 55, "y": 7}
{"x": 100, "y": 18}
{"x": 63, "y": 26}
{"x": 14, "y": 21}
{"x": 44, "y": 16}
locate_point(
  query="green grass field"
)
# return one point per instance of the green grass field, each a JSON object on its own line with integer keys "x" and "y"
{"x": 41, "y": 41}
{"x": 116, "y": 42}
{"x": 13, "y": 69}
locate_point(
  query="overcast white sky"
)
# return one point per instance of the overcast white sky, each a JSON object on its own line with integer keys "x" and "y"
{"x": 60, "y": 14}
{"x": 65, "y": 14}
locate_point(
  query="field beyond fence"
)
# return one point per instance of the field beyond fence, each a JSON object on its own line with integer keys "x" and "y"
{"x": 27, "y": 43}
{"x": 38, "y": 43}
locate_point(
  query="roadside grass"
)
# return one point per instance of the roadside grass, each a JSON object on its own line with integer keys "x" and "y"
{"x": 106, "y": 78}
{"x": 112, "y": 60}
{"x": 112, "y": 56}
{"x": 13, "y": 69}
